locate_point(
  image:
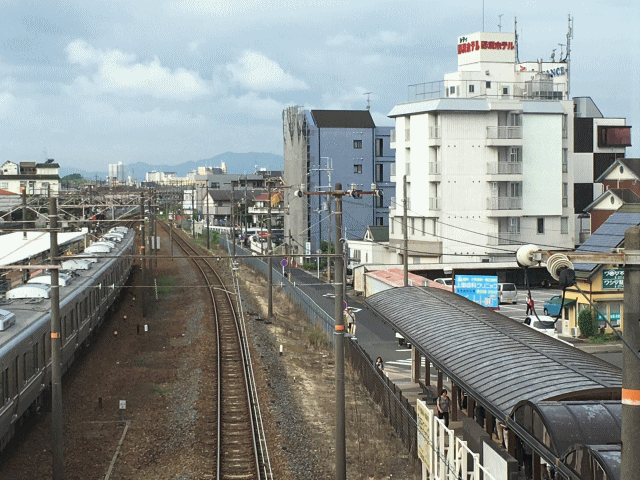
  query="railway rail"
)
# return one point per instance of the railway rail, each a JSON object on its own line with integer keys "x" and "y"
{"x": 238, "y": 433}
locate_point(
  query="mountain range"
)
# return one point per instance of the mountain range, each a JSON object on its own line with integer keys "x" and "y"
{"x": 236, "y": 163}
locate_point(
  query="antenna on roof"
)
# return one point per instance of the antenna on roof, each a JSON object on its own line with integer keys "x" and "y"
{"x": 368, "y": 94}
{"x": 500, "y": 22}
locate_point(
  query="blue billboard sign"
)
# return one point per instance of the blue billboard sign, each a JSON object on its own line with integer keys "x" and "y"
{"x": 477, "y": 288}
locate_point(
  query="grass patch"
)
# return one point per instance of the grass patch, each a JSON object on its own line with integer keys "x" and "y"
{"x": 159, "y": 390}
{"x": 606, "y": 337}
{"x": 316, "y": 337}
{"x": 166, "y": 285}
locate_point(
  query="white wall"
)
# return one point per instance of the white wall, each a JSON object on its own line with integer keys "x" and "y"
{"x": 542, "y": 165}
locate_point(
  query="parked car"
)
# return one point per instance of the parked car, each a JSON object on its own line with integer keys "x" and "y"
{"x": 507, "y": 293}
{"x": 552, "y": 306}
{"x": 542, "y": 323}
{"x": 444, "y": 281}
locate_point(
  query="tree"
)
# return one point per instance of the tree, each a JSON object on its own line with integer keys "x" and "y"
{"x": 587, "y": 322}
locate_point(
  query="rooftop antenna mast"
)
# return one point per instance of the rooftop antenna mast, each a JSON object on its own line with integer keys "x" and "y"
{"x": 515, "y": 31}
{"x": 368, "y": 94}
{"x": 569, "y": 37}
{"x": 500, "y": 22}
{"x": 483, "y": 15}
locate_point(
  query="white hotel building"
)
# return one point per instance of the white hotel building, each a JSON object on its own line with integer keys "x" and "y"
{"x": 492, "y": 156}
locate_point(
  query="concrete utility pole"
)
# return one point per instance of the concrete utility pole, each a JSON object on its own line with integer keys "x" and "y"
{"x": 233, "y": 216}
{"x": 143, "y": 293}
{"x": 24, "y": 213}
{"x": 206, "y": 193}
{"x": 405, "y": 232}
{"x": 341, "y": 465}
{"x": 193, "y": 211}
{"x": 631, "y": 368}
{"x": 56, "y": 352}
{"x": 270, "y": 309}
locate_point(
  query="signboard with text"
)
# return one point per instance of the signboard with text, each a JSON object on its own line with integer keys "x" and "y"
{"x": 478, "y": 288}
{"x": 613, "y": 279}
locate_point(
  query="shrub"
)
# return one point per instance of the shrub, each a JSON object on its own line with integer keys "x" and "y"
{"x": 316, "y": 337}
{"x": 587, "y": 322}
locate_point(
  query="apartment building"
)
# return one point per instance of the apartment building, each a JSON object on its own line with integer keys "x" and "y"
{"x": 325, "y": 147}
{"x": 493, "y": 156}
{"x": 35, "y": 178}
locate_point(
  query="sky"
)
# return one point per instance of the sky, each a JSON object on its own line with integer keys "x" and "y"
{"x": 96, "y": 82}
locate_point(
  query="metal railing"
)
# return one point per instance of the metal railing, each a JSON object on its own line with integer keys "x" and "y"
{"x": 504, "y": 168}
{"x": 434, "y": 131}
{"x": 393, "y": 136}
{"x": 506, "y": 239}
{"x": 434, "y": 203}
{"x": 504, "y": 132}
{"x": 434, "y": 168}
{"x": 504, "y": 203}
{"x": 538, "y": 90}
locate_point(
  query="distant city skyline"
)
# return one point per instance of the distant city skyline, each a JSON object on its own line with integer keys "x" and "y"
{"x": 92, "y": 83}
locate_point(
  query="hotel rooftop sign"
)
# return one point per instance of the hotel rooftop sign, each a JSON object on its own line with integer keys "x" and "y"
{"x": 486, "y": 47}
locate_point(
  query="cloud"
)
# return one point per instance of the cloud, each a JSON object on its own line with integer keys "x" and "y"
{"x": 115, "y": 72}
{"x": 383, "y": 38}
{"x": 345, "y": 100}
{"x": 255, "y": 71}
{"x": 6, "y": 102}
{"x": 259, "y": 107}
{"x": 107, "y": 117}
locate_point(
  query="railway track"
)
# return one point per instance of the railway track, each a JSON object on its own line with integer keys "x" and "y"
{"x": 237, "y": 434}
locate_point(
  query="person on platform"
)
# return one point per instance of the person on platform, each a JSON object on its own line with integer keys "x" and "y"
{"x": 443, "y": 407}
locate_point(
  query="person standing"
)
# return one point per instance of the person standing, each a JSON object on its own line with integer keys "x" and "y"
{"x": 379, "y": 364}
{"x": 443, "y": 407}
{"x": 351, "y": 322}
{"x": 530, "y": 304}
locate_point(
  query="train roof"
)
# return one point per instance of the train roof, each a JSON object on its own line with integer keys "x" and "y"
{"x": 30, "y": 313}
{"x": 15, "y": 248}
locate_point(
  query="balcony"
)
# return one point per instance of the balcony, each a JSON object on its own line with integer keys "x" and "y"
{"x": 435, "y": 168}
{"x": 435, "y": 203}
{"x": 505, "y": 238}
{"x": 435, "y": 137}
{"x": 504, "y": 168}
{"x": 504, "y": 203}
{"x": 503, "y": 136}
{"x": 392, "y": 172}
{"x": 393, "y": 138}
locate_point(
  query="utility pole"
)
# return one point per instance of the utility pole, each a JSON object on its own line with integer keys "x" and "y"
{"x": 206, "y": 193}
{"x": 341, "y": 465}
{"x": 56, "y": 353}
{"x": 270, "y": 310}
{"x": 24, "y": 213}
{"x": 630, "y": 371}
{"x": 143, "y": 293}
{"x": 233, "y": 223}
{"x": 405, "y": 232}
{"x": 193, "y": 211}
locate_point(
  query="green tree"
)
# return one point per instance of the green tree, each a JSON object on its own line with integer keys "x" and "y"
{"x": 587, "y": 322}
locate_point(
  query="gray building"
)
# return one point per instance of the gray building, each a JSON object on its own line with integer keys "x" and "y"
{"x": 325, "y": 147}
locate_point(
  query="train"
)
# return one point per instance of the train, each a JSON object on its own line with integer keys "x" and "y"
{"x": 89, "y": 285}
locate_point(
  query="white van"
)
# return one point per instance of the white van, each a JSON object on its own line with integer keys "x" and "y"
{"x": 507, "y": 293}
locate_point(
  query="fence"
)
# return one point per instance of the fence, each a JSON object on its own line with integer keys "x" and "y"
{"x": 395, "y": 406}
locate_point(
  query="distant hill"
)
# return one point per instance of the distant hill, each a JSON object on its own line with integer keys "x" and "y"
{"x": 236, "y": 163}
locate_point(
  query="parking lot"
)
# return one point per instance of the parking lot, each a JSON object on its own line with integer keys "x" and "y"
{"x": 517, "y": 311}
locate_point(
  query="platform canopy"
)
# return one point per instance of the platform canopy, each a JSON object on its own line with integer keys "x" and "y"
{"x": 14, "y": 248}
{"x": 495, "y": 359}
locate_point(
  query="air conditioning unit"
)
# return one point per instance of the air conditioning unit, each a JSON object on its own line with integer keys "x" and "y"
{"x": 6, "y": 319}
{"x": 575, "y": 331}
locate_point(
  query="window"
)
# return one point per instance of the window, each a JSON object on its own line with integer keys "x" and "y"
{"x": 357, "y": 168}
{"x": 379, "y": 145}
{"x": 379, "y": 202}
{"x": 614, "y": 313}
{"x": 565, "y": 160}
{"x": 505, "y": 90}
{"x": 379, "y": 221}
{"x": 452, "y": 90}
{"x": 392, "y": 221}
{"x": 357, "y": 144}
{"x": 488, "y": 85}
{"x": 379, "y": 173}
{"x": 471, "y": 88}
{"x": 565, "y": 194}
{"x": 564, "y": 225}
{"x": 540, "y": 225}
{"x": 424, "y": 227}
{"x": 515, "y": 189}
{"x": 515, "y": 154}
{"x": 4, "y": 185}
{"x": 413, "y": 226}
